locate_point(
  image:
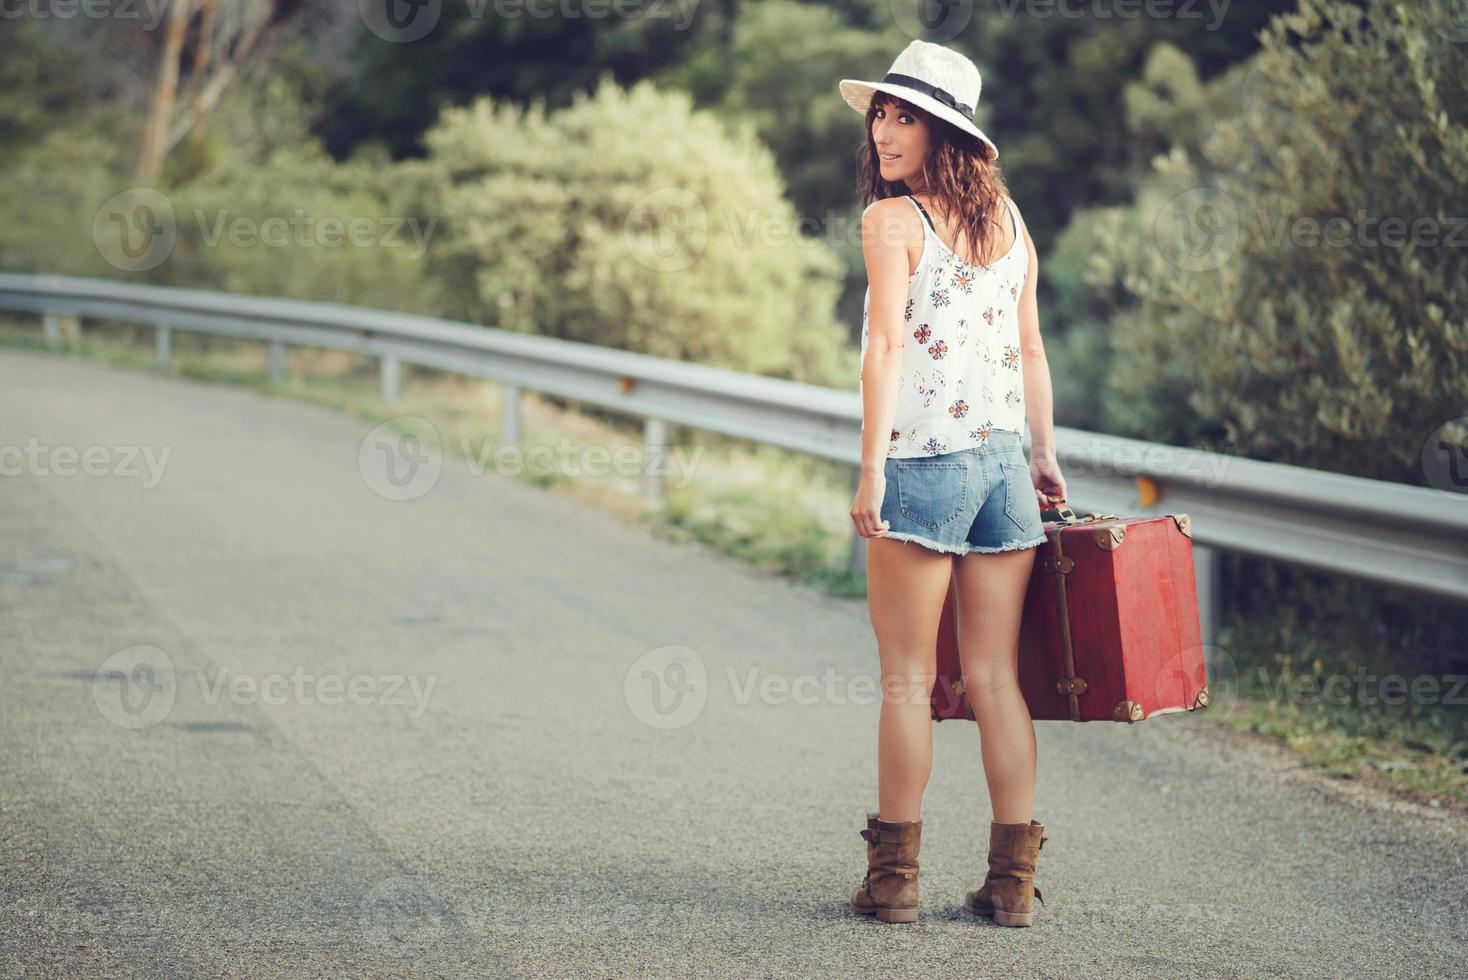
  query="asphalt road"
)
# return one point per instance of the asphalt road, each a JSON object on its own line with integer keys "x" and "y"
{"x": 262, "y": 719}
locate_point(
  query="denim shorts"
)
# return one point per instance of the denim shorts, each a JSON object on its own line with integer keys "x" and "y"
{"x": 978, "y": 499}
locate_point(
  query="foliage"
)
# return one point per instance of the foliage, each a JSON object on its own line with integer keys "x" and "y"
{"x": 1349, "y": 636}
{"x": 1076, "y": 325}
{"x": 1053, "y": 85}
{"x": 67, "y": 175}
{"x": 38, "y": 89}
{"x": 631, "y": 220}
{"x": 779, "y": 72}
{"x": 1226, "y": 335}
{"x": 251, "y": 208}
{"x": 1054, "y": 95}
{"x": 1166, "y": 106}
{"x": 510, "y": 52}
{"x": 303, "y": 226}
{"x": 1274, "y": 311}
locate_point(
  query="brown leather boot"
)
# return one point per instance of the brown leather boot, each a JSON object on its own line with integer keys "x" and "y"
{"x": 890, "y": 889}
{"x": 1009, "y": 888}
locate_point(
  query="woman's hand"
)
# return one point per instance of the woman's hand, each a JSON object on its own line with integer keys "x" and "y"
{"x": 1047, "y": 479}
{"x": 866, "y": 510}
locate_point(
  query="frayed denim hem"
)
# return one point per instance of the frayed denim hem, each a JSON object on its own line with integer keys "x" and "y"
{"x": 1012, "y": 546}
{"x": 963, "y": 549}
{"x": 928, "y": 543}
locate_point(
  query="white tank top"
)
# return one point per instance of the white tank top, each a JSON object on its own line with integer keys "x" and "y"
{"x": 961, "y": 370}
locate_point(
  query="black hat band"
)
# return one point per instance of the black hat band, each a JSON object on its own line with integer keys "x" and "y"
{"x": 933, "y": 91}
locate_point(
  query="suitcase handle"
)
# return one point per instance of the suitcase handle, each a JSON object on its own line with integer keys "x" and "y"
{"x": 1067, "y": 516}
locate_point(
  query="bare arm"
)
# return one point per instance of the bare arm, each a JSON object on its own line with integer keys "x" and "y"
{"x": 1039, "y": 395}
{"x": 885, "y": 250}
{"x": 883, "y": 243}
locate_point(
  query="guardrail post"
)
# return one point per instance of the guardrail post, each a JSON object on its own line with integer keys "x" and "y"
{"x": 858, "y": 563}
{"x": 654, "y": 450}
{"x": 59, "y": 327}
{"x": 391, "y": 379}
{"x": 277, "y": 361}
{"x": 163, "y": 342}
{"x": 510, "y": 417}
{"x": 1206, "y": 575}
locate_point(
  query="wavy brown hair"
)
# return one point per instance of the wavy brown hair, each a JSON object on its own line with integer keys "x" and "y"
{"x": 963, "y": 178}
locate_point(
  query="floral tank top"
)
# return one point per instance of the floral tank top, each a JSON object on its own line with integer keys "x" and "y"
{"x": 961, "y": 372}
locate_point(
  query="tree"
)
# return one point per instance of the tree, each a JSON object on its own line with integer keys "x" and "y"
{"x": 155, "y": 133}
{"x": 631, "y": 220}
{"x": 223, "y": 46}
{"x": 1298, "y": 295}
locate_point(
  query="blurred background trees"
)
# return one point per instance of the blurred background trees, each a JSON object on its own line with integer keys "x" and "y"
{"x": 1210, "y": 194}
{"x": 586, "y": 196}
{"x": 1309, "y": 254}
{"x": 1169, "y": 167}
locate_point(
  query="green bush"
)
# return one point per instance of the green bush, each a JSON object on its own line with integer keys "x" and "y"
{"x": 630, "y": 220}
{"x": 66, "y": 176}
{"x": 1258, "y": 324}
{"x": 40, "y": 88}
{"x": 1227, "y": 334}
{"x": 307, "y": 227}
{"x": 251, "y": 205}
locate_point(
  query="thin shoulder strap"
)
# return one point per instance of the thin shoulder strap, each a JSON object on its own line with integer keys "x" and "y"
{"x": 1009, "y": 204}
{"x": 924, "y": 211}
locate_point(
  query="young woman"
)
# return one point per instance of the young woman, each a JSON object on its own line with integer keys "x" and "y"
{"x": 952, "y": 366}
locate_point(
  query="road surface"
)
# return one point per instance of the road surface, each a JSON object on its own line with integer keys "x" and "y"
{"x": 261, "y": 718}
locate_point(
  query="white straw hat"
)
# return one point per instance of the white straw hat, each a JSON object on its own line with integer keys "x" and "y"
{"x": 937, "y": 79}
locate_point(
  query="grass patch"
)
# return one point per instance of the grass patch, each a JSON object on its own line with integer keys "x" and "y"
{"x": 1348, "y": 711}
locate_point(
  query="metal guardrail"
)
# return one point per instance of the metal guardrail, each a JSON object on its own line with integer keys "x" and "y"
{"x": 1411, "y": 537}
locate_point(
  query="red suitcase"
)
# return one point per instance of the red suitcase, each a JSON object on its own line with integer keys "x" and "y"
{"x": 1110, "y": 629}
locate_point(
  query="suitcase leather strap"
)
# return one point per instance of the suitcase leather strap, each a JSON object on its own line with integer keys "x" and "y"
{"x": 1059, "y": 565}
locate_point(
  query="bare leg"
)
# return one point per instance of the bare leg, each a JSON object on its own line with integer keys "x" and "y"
{"x": 906, "y": 586}
{"x": 991, "y": 592}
